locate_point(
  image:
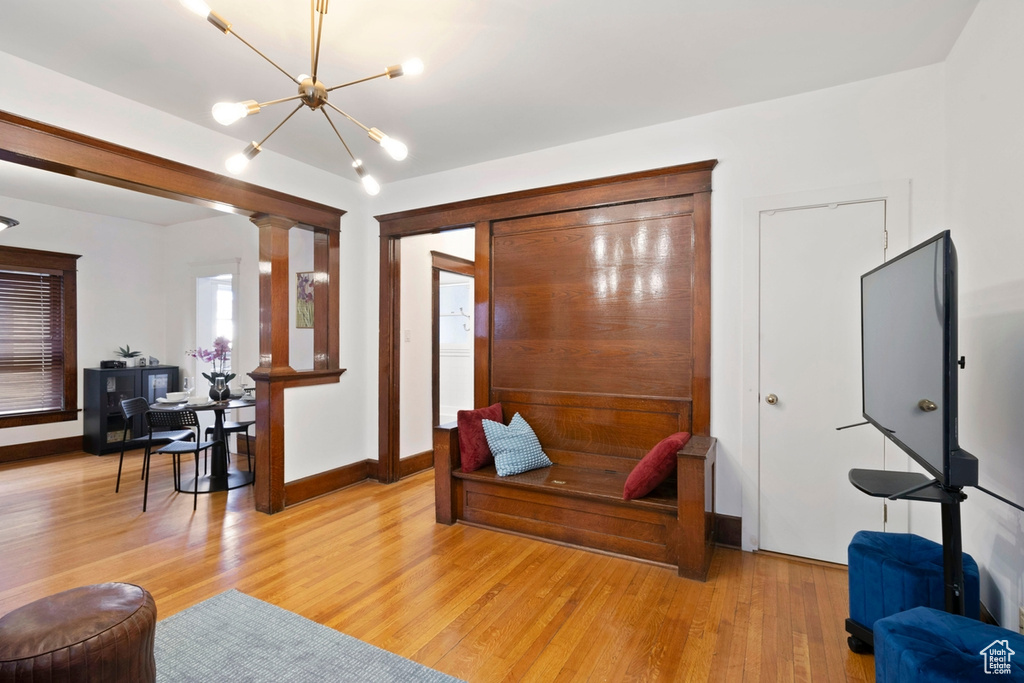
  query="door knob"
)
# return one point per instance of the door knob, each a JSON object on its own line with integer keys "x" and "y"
{"x": 771, "y": 399}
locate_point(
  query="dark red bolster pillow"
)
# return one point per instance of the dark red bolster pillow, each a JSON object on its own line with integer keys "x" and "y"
{"x": 655, "y": 467}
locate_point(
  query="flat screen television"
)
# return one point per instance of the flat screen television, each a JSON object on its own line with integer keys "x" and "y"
{"x": 909, "y": 358}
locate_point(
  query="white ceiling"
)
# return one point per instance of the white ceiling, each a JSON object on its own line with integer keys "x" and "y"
{"x": 502, "y": 77}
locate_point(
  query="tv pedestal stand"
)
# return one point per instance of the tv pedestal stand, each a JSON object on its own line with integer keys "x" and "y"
{"x": 914, "y": 486}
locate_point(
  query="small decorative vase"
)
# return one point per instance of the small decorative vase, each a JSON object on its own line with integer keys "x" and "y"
{"x": 219, "y": 390}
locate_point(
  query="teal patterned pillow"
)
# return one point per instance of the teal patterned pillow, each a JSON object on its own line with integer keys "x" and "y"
{"x": 515, "y": 447}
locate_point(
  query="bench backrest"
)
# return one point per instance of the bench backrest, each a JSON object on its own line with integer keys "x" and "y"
{"x": 599, "y": 328}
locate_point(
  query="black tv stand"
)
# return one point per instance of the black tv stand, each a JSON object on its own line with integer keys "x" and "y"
{"x": 914, "y": 486}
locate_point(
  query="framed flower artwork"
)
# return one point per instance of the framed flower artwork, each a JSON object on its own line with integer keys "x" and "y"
{"x": 304, "y": 300}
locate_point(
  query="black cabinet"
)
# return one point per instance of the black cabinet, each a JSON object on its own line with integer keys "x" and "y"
{"x": 106, "y": 388}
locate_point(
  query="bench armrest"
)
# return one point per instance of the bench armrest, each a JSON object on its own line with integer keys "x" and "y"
{"x": 446, "y": 461}
{"x": 696, "y": 490}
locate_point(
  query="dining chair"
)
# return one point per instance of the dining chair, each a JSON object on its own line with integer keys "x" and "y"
{"x": 130, "y": 407}
{"x": 241, "y": 427}
{"x": 174, "y": 420}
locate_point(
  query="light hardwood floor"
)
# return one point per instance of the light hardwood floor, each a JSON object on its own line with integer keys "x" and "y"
{"x": 371, "y": 562}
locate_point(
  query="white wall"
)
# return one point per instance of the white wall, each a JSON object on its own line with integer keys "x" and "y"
{"x": 881, "y": 129}
{"x": 416, "y": 373}
{"x": 325, "y": 427}
{"x": 120, "y": 268}
{"x": 985, "y": 157}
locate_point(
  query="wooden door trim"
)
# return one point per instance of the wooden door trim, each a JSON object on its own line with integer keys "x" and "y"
{"x": 450, "y": 264}
{"x": 671, "y": 181}
{"x": 31, "y": 143}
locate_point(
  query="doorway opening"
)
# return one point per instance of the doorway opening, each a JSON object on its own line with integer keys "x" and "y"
{"x": 452, "y": 338}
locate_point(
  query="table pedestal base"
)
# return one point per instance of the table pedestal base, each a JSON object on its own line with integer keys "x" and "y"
{"x": 207, "y": 484}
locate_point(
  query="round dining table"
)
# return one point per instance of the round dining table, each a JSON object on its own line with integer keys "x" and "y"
{"x": 220, "y": 478}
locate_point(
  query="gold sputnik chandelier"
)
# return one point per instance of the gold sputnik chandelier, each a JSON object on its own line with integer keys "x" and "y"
{"x": 312, "y": 94}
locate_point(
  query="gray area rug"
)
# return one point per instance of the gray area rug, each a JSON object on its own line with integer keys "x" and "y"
{"x": 235, "y": 637}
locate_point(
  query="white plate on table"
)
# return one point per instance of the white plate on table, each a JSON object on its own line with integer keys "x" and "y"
{"x": 170, "y": 402}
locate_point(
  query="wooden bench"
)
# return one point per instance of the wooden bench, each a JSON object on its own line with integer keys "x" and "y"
{"x": 582, "y": 505}
{"x": 592, "y": 318}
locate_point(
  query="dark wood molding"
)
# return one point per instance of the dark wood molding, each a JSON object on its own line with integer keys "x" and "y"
{"x": 412, "y": 464}
{"x": 40, "y": 145}
{"x": 701, "y": 323}
{"x": 26, "y": 419}
{"x": 463, "y": 213}
{"x": 389, "y": 359}
{"x": 482, "y": 323}
{"x": 40, "y": 449}
{"x": 729, "y": 530}
{"x": 300, "y": 378}
{"x": 37, "y": 259}
{"x": 371, "y": 469}
{"x": 452, "y": 264}
{"x": 324, "y": 482}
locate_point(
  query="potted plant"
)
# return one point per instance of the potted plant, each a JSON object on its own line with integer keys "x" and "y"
{"x": 218, "y": 356}
{"x": 126, "y": 354}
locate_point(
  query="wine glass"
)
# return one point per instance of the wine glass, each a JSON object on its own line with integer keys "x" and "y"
{"x": 188, "y": 385}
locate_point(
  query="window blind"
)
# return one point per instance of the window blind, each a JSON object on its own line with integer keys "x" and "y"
{"x": 31, "y": 342}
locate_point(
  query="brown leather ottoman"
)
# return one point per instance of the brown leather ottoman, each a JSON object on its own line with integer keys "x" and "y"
{"x": 93, "y": 633}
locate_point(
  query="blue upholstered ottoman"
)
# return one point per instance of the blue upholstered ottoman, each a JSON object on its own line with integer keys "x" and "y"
{"x": 890, "y": 573}
{"x": 925, "y": 644}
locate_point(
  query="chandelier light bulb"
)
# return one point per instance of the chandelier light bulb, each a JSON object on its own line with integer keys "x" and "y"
{"x": 197, "y": 6}
{"x": 226, "y": 113}
{"x": 238, "y": 162}
{"x": 414, "y": 67}
{"x": 396, "y": 149}
{"x": 371, "y": 185}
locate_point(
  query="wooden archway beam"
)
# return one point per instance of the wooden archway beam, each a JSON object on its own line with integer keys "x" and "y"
{"x": 31, "y": 143}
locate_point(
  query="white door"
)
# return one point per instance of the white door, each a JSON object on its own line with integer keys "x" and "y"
{"x": 810, "y": 267}
{"x": 455, "y": 345}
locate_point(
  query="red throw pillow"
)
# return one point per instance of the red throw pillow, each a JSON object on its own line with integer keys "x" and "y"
{"x": 654, "y": 467}
{"x": 473, "y": 449}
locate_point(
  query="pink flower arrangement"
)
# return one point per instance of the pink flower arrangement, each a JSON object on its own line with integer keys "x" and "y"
{"x": 219, "y": 356}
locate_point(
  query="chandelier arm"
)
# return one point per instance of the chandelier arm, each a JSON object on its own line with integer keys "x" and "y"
{"x": 278, "y": 101}
{"x": 276, "y": 128}
{"x": 347, "y": 116}
{"x": 361, "y": 80}
{"x": 322, "y": 10}
{"x": 272, "y": 62}
{"x": 339, "y": 135}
